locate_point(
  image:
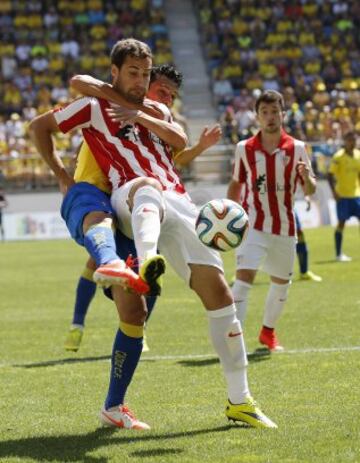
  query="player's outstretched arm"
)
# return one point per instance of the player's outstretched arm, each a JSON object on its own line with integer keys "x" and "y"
{"x": 169, "y": 132}
{"x": 234, "y": 191}
{"x": 209, "y": 137}
{"x": 89, "y": 86}
{"x": 41, "y": 129}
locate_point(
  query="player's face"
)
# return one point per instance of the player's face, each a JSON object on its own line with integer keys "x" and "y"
{"x": 132, "y": 80}
{"x": 349, "y": 143}
{"x": 270, "y": 117}
{"x": 163, "y": 90}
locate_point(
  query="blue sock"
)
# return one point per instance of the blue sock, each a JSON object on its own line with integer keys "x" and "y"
{"x": 85, "y": 292}
{"x": 150, "y": 303}
{"x": 302, "y": 253}
{"x": 338, "y": 241}
{"x": 100, "y": 244}
{"x": 124, "y": 359}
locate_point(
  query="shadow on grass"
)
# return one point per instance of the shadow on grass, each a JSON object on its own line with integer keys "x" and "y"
{"x": 76, "y": 447}
{"x": 51, "y": 363}
{"x": 155, "y": 452}
{"x": 325, "y": 262}
{"x": 256, "y": 356}
{"x": 260, "y": 354}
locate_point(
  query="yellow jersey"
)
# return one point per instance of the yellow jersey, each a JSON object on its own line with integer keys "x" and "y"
{"x": 88, "y": 170}
{"x": 346, "y": 170}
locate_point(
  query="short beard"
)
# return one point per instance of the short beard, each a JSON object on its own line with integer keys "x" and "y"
{"x": 272, "y": 130}
{"x": 130, "y": 98}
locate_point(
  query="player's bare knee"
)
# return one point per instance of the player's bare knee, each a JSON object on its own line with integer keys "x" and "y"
{"x": 131, "y": 307}
{"x": 246, "y": 275}
{"x": 210, "y": 285}
{"x": 97, "y": 218}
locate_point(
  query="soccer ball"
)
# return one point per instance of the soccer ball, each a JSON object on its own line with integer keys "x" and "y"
{"x": 221, "y": 224}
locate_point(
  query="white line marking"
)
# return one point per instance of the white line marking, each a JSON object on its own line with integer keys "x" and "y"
{"x": 145, "y": 358}
{"x": 310, "y": 350}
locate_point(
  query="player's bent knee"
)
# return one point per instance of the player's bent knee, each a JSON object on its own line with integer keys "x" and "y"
{"x": 131, "y": 307}
{"x": 246, "y": 275}
{"x": 97, "y": 218}
{"x": 210, "y": 285}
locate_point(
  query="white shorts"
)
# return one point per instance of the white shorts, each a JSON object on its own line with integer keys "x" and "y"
{"x": 178, "y": 241}
{"x": 274, "y": 254}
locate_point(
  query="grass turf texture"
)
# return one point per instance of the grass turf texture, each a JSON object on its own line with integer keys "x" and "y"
{"x": 49, "y": 399}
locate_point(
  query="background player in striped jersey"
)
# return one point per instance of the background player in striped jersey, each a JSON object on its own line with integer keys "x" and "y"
{"x": 344, "y": 179}
{"x": 151, "y": 202}
{"x": 165, "y": 82}
{"x": 269, "y": 166}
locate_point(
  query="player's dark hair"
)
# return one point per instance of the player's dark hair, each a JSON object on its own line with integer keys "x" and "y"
{"x": 350, "y": 134}
{"x": 270, "y": 96}
{"x": 166, "y": 70}
{"x": 129, "y": 47}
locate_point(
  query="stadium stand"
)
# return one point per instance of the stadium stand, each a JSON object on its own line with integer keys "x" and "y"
{"x": 42, "y": 44}
{"x": 307, "y": 49}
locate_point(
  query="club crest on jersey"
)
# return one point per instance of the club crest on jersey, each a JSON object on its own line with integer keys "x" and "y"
{"x": 284, "y": 158}
{"x": 129, "y": 132}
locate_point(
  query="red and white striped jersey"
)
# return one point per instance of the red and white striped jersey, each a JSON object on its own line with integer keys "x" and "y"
{"x": 270, "y": 182}
{"x": 122, "y": 152}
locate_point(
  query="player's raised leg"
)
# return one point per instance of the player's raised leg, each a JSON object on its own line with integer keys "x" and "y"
{"x": 142, "y": 199}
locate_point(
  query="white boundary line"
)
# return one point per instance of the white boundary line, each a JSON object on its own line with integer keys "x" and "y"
{"x": 145, "y": 358}
{"x": 310, "y": 350}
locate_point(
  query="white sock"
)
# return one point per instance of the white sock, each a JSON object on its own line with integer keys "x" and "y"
{"x": 145, "y": 221}
{"x": 274, "y": 305}
{"x": 240, "y": 291}
{"x": 228, "y": 341}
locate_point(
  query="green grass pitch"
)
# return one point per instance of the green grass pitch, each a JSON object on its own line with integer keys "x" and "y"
{"x": 49, "y": 399}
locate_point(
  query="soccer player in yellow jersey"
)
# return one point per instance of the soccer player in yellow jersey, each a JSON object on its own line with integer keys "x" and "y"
{"x": 344, "y": 179}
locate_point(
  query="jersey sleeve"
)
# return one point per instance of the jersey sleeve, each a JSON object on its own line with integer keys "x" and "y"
{"x": 76, "y": 115}
{"x": 239, "y": 171}
{"x": 305, "y": 157}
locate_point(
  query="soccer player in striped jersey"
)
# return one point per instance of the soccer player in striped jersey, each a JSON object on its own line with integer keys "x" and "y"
{"x": 153, "y": 207}
{"x": 344, "y": 179}
{"x": 268, "y": 166}
{"x": 165, "y": 82}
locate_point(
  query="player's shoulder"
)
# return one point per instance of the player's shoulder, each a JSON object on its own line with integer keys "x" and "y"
{"x": 247, "y": 143}
{"x": 357, "y": 154}
{"x": 338, "y": 154}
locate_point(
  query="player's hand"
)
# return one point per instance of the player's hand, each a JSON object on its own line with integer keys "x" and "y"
{"x": 122, "y": 115}
{"x": 210, "y": 136}
{"x": 308, "y": 203}
{"x": 65, "y": 184}
{"x": 151, "y": 110}
{"x": 303, "y": 170}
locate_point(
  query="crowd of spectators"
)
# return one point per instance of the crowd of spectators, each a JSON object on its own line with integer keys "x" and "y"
{"x": 307, "y": 49}
{"x": 42, "y": 44}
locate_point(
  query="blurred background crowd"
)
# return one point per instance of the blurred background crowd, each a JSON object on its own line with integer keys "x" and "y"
{"x": 307, "y": 49}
